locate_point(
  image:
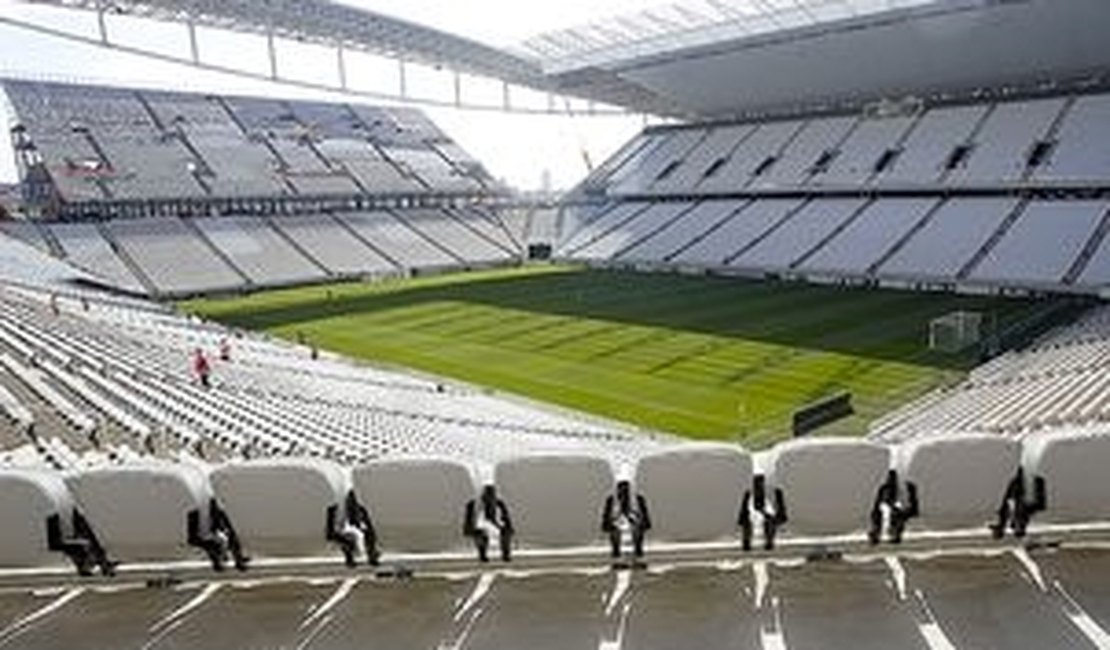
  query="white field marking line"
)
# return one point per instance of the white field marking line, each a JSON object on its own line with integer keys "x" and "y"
{"x": 1031, "y": 568}
{"x": 620, "y": 588}
{"x": 194, "y": 602}
{"x": 930, "y": 630}
{"x": 762, "y": 580}
{"x": 771, "y": 637}
{"x": 618, "y": 642}
{"x": 464, "y": 634}
{"x": 315, "y": 632}
{"x": 161, "y": 634}
{"x": 481, "y": 588}
{"x": 1081, "y": 619}
{"x": 23, "y": 624}
{"x": 341, "y": 592}
{"x": 898, "y": 574}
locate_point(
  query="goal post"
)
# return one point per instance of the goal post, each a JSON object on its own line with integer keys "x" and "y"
{"x": 955, "y": 331}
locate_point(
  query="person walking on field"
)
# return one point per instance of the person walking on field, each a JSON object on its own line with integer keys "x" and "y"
{"x": 201, "y": 367}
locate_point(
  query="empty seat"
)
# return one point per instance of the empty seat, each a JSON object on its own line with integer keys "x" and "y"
{"x": 286, "y": 507}
{"x": 825, "y": 486}
{"x": 35, "y": 509}
{"x": 417, "y": 504}
{"x": 1065, "y": 476}
{"x": 695, "y": 492}
{"x": 152, "y": 511}
{"x": 957, "y": 481}
{"x": 554, "y": 500}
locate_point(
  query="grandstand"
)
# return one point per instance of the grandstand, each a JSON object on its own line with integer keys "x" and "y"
{"x": 384, "y": 188}
{"x": 297, "y": 373}
{"x": 950, "y": 196}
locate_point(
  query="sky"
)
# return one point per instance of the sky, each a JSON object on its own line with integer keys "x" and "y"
{"x": 521, "y": 149}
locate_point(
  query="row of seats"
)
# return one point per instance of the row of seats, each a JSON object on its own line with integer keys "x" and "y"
{"x": 690, "y": 493}
{"x": 1060, "y": 380}
{"x": 166, "y": 145}
{"x": 1043, "y": 141}
{"x": 270, "y": 395}
{"x": 994, "y": 241}
{"x": 173, "y": 256}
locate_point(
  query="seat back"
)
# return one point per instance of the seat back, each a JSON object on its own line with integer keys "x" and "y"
{"x": 694, "y": 492}
{"x": 829, "y": 484}
{"x": 27, "y": 499}
{"x": 279, "y": 506}
{"x": 416, "y": 504}
{"x": 1073, "y": 466}
{"x": 140, "y": 512}
{"x": 555, "y": 500}
{"x": 960, "y": 480}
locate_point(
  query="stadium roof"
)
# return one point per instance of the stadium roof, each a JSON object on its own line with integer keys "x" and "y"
{"x": 713, "y": 58}
{"x": 334, "y": 23}
{"x": 694, "y": 22}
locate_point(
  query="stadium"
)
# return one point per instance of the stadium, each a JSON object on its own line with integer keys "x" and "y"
{"x": 769, "y": 324}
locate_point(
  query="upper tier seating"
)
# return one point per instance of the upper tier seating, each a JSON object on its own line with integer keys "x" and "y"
{"x": 939, "y": 197}
{"x": 103, "y": 144}
{"x": 961, "y": 146}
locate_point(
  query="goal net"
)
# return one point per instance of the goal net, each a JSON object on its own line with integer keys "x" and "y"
{"x": 955, "y": 331}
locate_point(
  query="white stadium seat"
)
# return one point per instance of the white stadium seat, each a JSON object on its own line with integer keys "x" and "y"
{"x": 28, "y": 499}
{"x": 555, "y": 500}
{"x": 147, "y": 511}
{"x": 286, "y": 507}
{"x": 1066, "y": 478}
{"x": 825, "y": 486}
{"x": 416, "y": 504}
{"x": 957, "y": 481}
{"x": 695, "y": 492}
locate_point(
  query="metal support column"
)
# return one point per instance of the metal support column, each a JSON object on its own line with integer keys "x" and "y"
{"x": 271, "y": 47}
{"x": 341, "y": 66}
{"x": 101, "y": 23}
{"x": 194, "y": 48}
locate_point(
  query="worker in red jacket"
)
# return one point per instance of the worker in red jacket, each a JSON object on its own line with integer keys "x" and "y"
{"x": 201, "y": 368}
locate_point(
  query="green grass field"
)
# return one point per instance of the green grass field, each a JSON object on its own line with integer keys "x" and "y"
{"x": 700, "y": 356}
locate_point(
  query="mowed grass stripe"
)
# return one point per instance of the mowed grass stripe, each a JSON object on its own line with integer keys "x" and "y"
{"x": 699, "y": 356}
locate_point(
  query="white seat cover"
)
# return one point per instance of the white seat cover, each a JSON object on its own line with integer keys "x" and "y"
{"x": 961, "y": 479}
{"x": 555, "y": 500}
{"x": 694, "y": 491}
{"x": 139, "y": 512}
{"x": 1074, "y": 467}
{"x": 27, "y": 499}
{"x": 416, "y": 504}
{"x": 279, "y": 506}
{"x": 829, "y": 484}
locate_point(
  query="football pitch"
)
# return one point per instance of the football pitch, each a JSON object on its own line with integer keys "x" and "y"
{"x": 704, "y": 357}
